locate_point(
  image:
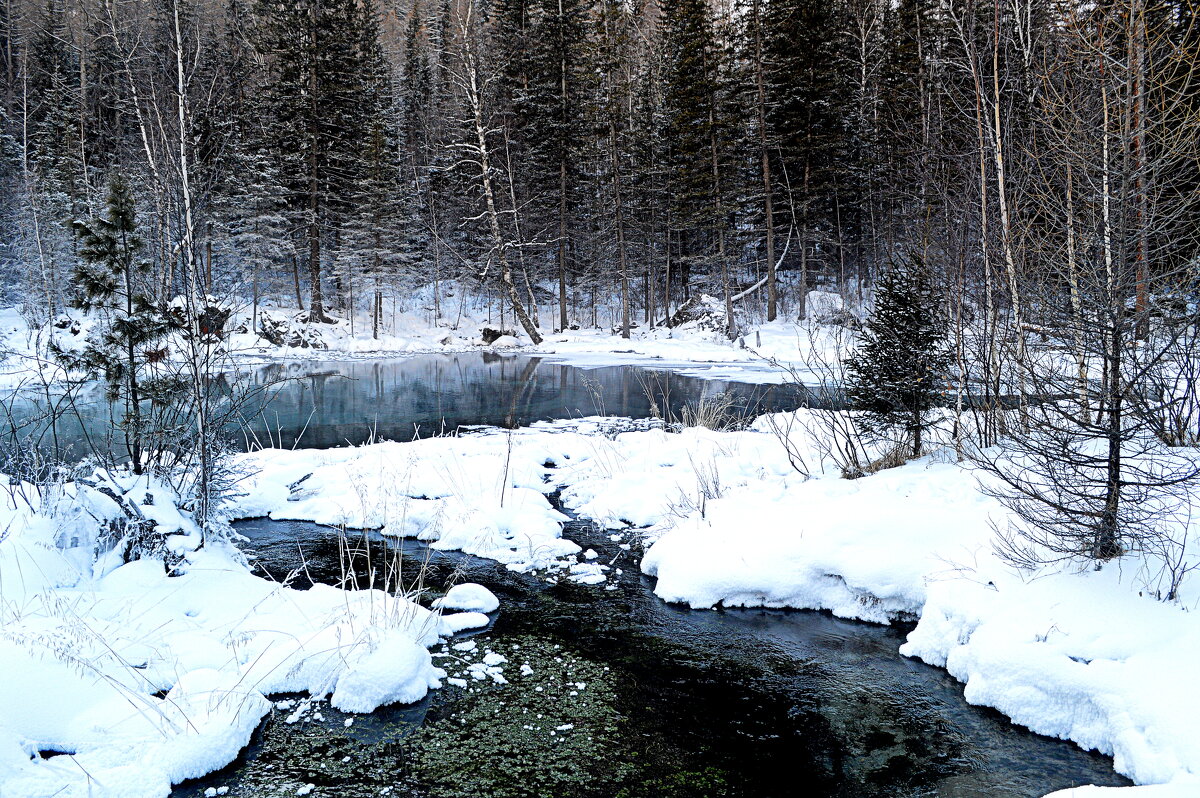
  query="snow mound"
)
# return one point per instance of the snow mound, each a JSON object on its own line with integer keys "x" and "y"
{"x": 1078, "y": 656}
{"x": 479, "y": 494}
{"x": 468, "y": 596}
{"x": 1182, "y": 787}
{"x": 149, "y": 679}
{"x": 461, "y": 621}
{"x": 395, "y": 670}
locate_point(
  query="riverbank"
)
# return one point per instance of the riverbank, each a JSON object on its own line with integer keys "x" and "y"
{"x": 725, "y": 518}
{"x": 727, "y": 521}
{"x": 169, "y": 673}
{"x": 121, "y": 680}
{"x": 767, "y": 352}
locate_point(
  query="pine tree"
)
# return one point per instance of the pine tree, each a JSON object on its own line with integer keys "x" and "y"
{"x": 53, "y": 104}
{"x": 248, "y": 205}
{"x": 105, "y": 113}
{"x": 111, "y": 280}
{"x": 806, "y": 110}
{"x": 895, "y": 374}
{"x": 381, "y": 238}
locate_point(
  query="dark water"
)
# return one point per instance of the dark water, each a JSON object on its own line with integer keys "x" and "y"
{"x": 322, "y": 404}
{"x": 430, "y": 394}
{"x": 754, "y": 703}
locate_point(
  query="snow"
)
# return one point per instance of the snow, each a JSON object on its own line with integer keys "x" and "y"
{"x": 396, "y": 671}
{"x": 771, "y": 352}
{"x": 1073, "y": 655}
{"x": 1182, "y": 787}
{"x": 468, "y": 596}
{"x": 724, "y": 517}
{"x": 729, "y": 522}
{"x": 148, "y": 679}
{"x": 483, "y": 495}
{"x": 461, "y": 621}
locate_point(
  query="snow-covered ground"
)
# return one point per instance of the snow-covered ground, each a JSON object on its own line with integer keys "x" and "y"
{"x": 146, "y": 679}
{"x": 756, "y": 357}
{"x": 119, "y": 680}
{"x": 1086, "y": 656}
{"x": 765, "y": 353}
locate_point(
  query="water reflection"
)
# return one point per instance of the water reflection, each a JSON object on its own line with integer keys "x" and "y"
{"x": 323, "y": 404}
{"x": 331, "y": 404}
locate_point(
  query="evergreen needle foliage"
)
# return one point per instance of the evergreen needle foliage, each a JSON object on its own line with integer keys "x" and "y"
{"x": 112, "y": 284}
{"x": 896, "y": 373}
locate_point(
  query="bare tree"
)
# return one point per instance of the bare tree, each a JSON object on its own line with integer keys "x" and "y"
{"x": 1092, "y": 475}
{"x": 472, "y": 84}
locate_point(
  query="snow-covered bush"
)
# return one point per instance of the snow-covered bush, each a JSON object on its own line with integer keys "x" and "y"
{"x": 708, "y": 314}
{"x": 826, "y": 307}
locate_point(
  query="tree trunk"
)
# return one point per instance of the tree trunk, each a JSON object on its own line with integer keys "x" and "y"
{"x": 562, "y": 187}
{"x": 803, "y": 299}
{"x": 1006, "y": 236}
{"x": 316, "y": 304}
{"x": 1137, "y": 68}
{"x": 471, "y": 86}
{"x": 768, "y": 197}
{"x": 1081, "y": 363}
{"x": 622, "y": 260}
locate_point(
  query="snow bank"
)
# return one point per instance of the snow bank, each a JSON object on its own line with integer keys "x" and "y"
{"x": 1080, "y": 656}
{"x": 773, "y": 352}
{"x": 1182, "y": 787}
{"x": 147, "y": 679}
{"x": 411, "y": 324}
{"x": 480, "y": 494}
{"x": 732, "y": 523}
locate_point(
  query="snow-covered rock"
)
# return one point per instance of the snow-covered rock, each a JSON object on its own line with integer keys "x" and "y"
{"x": 470, "y": 597}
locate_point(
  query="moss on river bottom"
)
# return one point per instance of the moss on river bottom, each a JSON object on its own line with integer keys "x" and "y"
{"x": 675, "y": 704}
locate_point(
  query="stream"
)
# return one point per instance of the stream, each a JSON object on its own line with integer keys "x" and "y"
{"x": 693, "y": 704}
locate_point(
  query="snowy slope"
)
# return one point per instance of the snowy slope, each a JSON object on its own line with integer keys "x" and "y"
{"x": 148, "y": 679}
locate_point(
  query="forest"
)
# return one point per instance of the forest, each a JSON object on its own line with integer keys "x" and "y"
{"x": 599, "y": 163}
{"x": 314, "y": 311}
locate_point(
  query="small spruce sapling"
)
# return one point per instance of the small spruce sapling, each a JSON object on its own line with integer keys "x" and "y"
{"x": 895, "y": 373}
{"x": 111, "y": 280}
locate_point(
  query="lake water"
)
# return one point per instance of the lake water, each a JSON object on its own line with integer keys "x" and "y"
{"x": 320, "y": 404}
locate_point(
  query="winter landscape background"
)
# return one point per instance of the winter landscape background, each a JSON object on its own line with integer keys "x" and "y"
{"x": 599, "y": 398}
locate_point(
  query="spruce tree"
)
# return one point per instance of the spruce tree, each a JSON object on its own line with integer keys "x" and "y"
{"x": 689, "y": 99}
{"x": 324, "y": 63}
{"x": 895, "y": 374}
{"x": 249, "y": 204}
{"x": 806, "y": 110}
{"x": 112, "y": 281}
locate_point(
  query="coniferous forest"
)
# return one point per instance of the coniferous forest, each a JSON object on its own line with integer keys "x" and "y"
{"x": 598, "y": 163}
{"x": 913, "y": 294}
